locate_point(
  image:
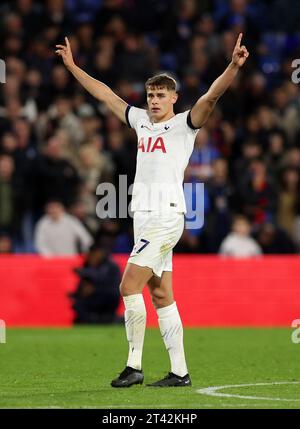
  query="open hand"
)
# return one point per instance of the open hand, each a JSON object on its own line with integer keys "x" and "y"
{"x": 240, "y": 53}
{"x": 65, "y": 52}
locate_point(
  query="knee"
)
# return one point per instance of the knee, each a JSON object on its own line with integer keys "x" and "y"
{"x": 124, "y": 288}
{"x": 159, "y": 298}
{"x": 133, "y": 282}
{"x": 128, "y": 287}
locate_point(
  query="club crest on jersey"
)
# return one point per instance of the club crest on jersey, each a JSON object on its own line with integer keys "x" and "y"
{"x": 150, "y": 146}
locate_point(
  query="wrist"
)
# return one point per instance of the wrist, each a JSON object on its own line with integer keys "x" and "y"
{"x": 233, "y": 66}
{"x": 71, "y": 67}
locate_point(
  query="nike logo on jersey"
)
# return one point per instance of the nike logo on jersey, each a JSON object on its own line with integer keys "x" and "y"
{"x": 145, "y": 126}
{"x": 149, "y": 146}
{"x": 148, "y": 128}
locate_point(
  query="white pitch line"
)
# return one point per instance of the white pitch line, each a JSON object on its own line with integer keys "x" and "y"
{"x": 212, "y": 391}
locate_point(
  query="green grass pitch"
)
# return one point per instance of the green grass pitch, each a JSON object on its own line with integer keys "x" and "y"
{"x": 72, "y": 368}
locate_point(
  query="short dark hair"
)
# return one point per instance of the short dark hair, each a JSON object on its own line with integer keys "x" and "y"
{"x": 162, "y": 80}
{"x": 240, "y": 216}
{"x": 54, "y": 201}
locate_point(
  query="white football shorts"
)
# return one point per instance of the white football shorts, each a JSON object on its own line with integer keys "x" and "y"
{"x": 155, "y": 235}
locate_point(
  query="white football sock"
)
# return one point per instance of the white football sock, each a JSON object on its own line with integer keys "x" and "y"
{"x": 135, "y": 325}
{"x": 172, "y": 332}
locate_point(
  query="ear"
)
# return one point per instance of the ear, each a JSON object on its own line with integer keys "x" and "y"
{"x": 174, "y": 97}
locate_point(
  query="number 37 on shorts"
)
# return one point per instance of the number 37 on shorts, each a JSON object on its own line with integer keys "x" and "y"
{"x": 139, "y": 246}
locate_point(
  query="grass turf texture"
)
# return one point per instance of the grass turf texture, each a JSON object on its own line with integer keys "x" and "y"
{"x": 72, "y": 368}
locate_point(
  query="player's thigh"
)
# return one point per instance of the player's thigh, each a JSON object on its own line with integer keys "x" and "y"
{"x": 161, "y": 289}
{"x": 134, "y": 279}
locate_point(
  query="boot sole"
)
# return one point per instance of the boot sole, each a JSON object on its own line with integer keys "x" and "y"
{"x": 129, "y": 384}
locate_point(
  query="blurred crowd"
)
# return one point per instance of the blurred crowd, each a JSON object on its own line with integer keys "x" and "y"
{"x": 57, "y": 143}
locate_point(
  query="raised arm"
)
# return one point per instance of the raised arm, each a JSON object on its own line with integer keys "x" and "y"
{"x": 98, "y": 89}
{"x": 205, "y": 105}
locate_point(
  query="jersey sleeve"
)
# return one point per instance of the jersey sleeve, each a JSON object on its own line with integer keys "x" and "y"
{"x": 189, "y": 121}
{"x": 133, "y": 114}
{"x": 186, "y": 122}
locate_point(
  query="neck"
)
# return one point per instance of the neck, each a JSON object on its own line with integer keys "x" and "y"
{"x": 164, "y": 118}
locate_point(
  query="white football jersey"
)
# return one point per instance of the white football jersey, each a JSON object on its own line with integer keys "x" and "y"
{"x": 163, "y": 152}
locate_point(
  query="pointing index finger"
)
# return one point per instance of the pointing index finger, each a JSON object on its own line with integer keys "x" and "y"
{"x": 67, "y": 42}
{"x": 238, "y": 42}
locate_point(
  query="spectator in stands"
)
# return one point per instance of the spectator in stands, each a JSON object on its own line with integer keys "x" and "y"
{"x": 268, "y": 124}
{"x": 25, "y": 156}
{"x": 296, "y": 233}
{"x": 55, "y": 177}
{"x": 192, "y": 241}
{"x": 287, "y": 113}
{"x": 115, "y": 235}
{"x": 58, "y": 233}
{"x": 94, "y": 168}
{"x": 61, "y": 112}
{"x": 178, "y": 27}
{"x": 6, "y": 244}
{"x": 291, "y": 157}
{"x": 240, "y": 13}
{"x": 8, "y": 144}
{"x": 10, "y": 194}
{"x": 251, "y": 149}
{"x": 191, "y": 88}
{"x": 274, "y": 155}
{"x": 91, "y": 124}
{"x": 134, "y": 62}
{"x": 89, "y": 220}
{"x": 274, "y": 240}
{"x": 257, "y": 93}
{"x": 203, "y": 155}
{"x": 258, "y": 194}
{"x": 221, "y": 197}
{"x": 97, "y": 296}
{"x": 288, "y": 199}
{"x": 239, "y": 243}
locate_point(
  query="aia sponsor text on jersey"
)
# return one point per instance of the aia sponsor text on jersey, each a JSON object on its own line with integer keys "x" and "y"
{"x": 151, "y": 145}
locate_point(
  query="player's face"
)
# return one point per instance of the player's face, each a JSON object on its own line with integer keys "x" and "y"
{"x": 160, "y": 103}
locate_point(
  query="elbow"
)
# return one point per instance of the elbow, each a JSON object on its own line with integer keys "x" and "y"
{"x": 211, "y": 100}
{"x": 211, "y": 97}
